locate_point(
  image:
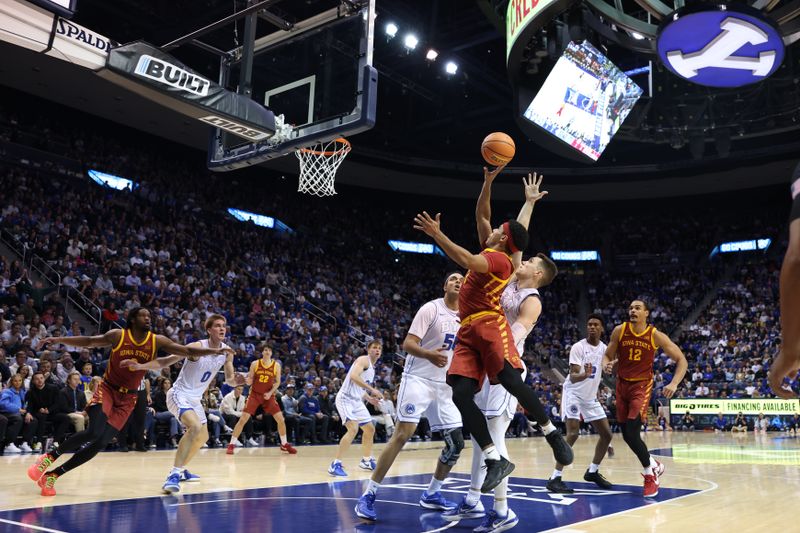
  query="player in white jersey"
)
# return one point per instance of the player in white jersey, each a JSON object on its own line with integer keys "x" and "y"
{"x": 424, "y": 391}
{"x": 183, "y": 399}
{"x": 356, "y": 388}
{"x": 579, "y": 399}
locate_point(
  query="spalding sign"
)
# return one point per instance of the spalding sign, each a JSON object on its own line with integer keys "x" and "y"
{"x": 720, "y": 46}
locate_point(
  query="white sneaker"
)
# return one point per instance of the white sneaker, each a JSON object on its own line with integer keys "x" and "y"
{"x": 25, "y": 448}
{"x": 236, "y": 443}
{"x": 37, "y": 447}
{"x": 227, "y": 430}
{"x": 11, "y": 449}
{"x": 253, "y": 443}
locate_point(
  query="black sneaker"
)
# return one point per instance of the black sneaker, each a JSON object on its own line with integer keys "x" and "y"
{"x": 495, "y": 472}
{"x": 559, "y": 487}
{"x": 561, "y": 450}
{"x": 598, "y": 479}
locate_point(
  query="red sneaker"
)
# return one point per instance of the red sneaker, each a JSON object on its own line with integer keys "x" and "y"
{"x": 650, "y": 485}
{"x": 46, "y": 482}
{"x": 659, "y": 470}
{"x": 229, "y": 451}
{"x": 288, "y": 448}
{"x": 37, "y": 470}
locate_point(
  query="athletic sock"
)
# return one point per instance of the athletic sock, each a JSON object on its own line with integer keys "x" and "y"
{"x": 491, "y": 453}
{"x": 548, "y": 428}
{"x": 501, "y": 507}
{"x": 372, "y": 487}
{"x": 473, "y": 496}
{"x": 435, "y": 485}
{"x": 556, "y": 473}
{"x": 365, "y": 458}
{"x": 283, "y": 440}
{"x": 593, "y": 468}
{"x": 647, "y": 471}
{"x": 176, "y": 470}
{"x": 653, "y": 463}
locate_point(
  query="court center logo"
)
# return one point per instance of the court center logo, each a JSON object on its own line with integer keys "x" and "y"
{"x": 409, "y": 408}
{"x": 720, "y": 46}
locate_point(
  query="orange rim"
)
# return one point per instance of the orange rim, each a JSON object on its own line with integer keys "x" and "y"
{"x": 341, "y": 140}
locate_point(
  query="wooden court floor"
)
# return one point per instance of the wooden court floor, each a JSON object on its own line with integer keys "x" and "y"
{"x": 733, "y": 482}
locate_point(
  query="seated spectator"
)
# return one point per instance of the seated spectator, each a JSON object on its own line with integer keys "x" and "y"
{"x": 12, "y": 407}
{"x": 776, "y": 424}
{"x": 50, "y": 377}
{"x": 739, "y": 424}
{"x": 232, "y": 408}
{"x": 216, "y": 423}
{"x": 519, "y": 424}
{"x": 385, "y": 414}
{"x": 162, "y": 413}
{"x": 72, "y": 405}
{"x": 65, "y": 367}
{"x": 761, "y": 424}
{"x": 663, "y": 424}
{"x": 41, "y": 402}
{"x": 94, "y": 382}
{"x": 5, "y": 371}
{"x": 687, "y": 422}
{"x": 720, "y": 424}
{"x": 86, "y": 376}
{"x": 793, "y": 424}
{"x": 294, "y": 420}
{"x": 310, "y": 409}
{"x": 328, "y": 408}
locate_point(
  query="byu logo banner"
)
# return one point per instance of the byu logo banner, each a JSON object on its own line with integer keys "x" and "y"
{"x": 721, "y": 46}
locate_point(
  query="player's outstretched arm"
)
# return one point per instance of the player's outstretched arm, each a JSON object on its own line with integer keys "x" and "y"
{"x": 172, "y": 347}
{"x": 432, "y": 227}
{"x": 483, "y": 210}
{"x": 788, "y": 360}
{"x": 106, "y": 340}
{"x": 531, "y": 186}
{"x": 232, "y": 378}
{"x": 155, "y": 364}
{"x": 674, "y": 353}
{"x": 610, "y": 357}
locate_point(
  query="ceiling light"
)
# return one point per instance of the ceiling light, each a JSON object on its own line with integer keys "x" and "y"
{"x": 410, "y": 41}
{"x": 451, "y": 67}
{"x": 636, "y": 35}
{"x": 391, "y": 29}
{"x": 431, "y": 55}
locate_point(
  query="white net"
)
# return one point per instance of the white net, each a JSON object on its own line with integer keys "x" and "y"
{"x": 318, "y": 166}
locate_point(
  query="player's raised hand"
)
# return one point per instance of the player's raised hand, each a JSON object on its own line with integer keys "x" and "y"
{"x": 428, "y": 225}
{"x": 490, "y": 175}
{"x": 532, "y": 184}
{"x": 131, "y": 364}
{"x": 608, "y": 368}
{"x": 438, "y": 358}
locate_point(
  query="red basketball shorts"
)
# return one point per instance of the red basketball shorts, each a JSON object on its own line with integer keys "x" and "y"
{"x": 116, "y": 406}
{"x": 482, "y": 348}
{"x": 270, "y": 406}
{"x": 633, "y": 397}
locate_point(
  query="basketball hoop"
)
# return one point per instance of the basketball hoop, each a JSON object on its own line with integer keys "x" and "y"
{"x": 318, "y": 166}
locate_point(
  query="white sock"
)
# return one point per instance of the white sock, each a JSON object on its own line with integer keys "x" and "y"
{"x": 593, "y": 468}
{"x": 647, "y": 471}
{"x": 365, "y": 458}
{"x": 556, "y": 473}
{"x": 434, "y": 486}
{"x": 176, "y": 470}
{"x": 372, "y": 487}
{"x": 653, "y": 462}
{"x": 283, "y": 440}
{"x": 473, "y": 496}
{"x": 501, "y": 507}
{"x": 491, "y": 453}
{"x": 548, "y": 428}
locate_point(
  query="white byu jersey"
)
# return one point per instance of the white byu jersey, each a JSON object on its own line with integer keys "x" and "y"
{"x": 511, "y": 300}
{"x": 436, "y": 325}
{"x": 352, "y": 391}
{"x": 195, "y": 375}
{"x": 581, "y": 353}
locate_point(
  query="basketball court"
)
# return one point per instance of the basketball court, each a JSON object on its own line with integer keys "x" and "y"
{"x": 712, "y": 482}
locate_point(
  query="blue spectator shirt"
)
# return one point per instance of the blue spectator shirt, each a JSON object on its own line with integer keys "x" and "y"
{"x": 11, "y": 401}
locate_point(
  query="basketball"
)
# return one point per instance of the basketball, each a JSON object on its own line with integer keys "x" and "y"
{"x": 498, "y": 148}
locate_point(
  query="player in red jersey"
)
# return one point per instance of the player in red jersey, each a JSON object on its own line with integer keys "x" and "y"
{"x": 632, "y": 348}
{"x": 485, "y": 341}
{"x": 264, "y": 378}
{"x": 788, "y": 360}
{"x": 115, "y": 397}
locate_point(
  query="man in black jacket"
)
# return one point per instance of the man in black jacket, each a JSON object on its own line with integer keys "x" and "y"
{"x": 327, "y": 407}
{"x": 70, "y": 408}
{"x": 41, "y": 404}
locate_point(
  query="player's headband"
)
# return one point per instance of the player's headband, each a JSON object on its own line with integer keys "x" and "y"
{"x": 511, "y": 245}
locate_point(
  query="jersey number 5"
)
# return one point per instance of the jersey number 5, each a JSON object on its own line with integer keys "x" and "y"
{"x": 634, "y": 355}
{"x": 449, "y": 341}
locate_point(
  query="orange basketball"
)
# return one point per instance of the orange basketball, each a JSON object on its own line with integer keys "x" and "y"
{"x": 498, "y": 148}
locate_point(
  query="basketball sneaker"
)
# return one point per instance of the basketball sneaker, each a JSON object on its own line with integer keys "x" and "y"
{"x": 47, "y": 482}
{"x": 497, "y": 470}
{"x": 11, "y": 449}
{"x": 598, "y": 479}
{"x": 336, "y": 469}
{"x": 367, "y": 464}
{"x": 557, "y": 486}
{"x": 494, "y": 522}
{"x": 464, "y": 511}
{"x": 365, "y": 508}
{"x": 288, "y": 448}
{"x": 650, "y": 485}
{"x": 188, "y": 476}
{"x": 659, "y": 469}
{"x": 436, "y": 501}
{"x": 172, "y": 484}
{"x": 25, "y": 448}
{"x": 236, "y": 443}
{"x": 229, "y": 451}
{"x": 37, "y": 469}
{"x": 561, "y": 450}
